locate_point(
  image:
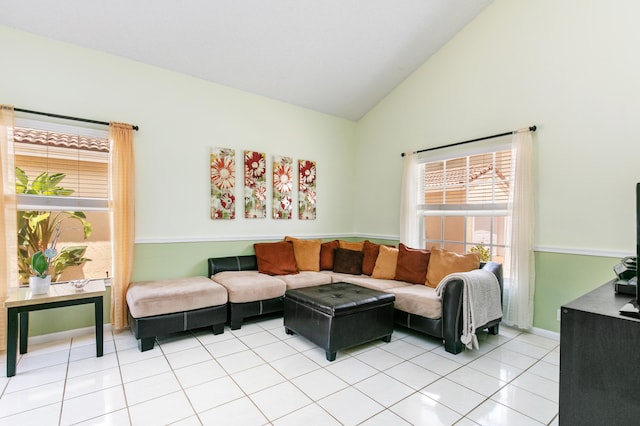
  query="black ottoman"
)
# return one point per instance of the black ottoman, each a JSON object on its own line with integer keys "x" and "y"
{"x": 338, "y": 316}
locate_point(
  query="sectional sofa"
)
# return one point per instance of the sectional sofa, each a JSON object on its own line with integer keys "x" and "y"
{"x": 256, "y": 284}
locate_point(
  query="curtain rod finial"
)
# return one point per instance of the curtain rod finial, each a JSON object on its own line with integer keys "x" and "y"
{"x": 533, "y": 128}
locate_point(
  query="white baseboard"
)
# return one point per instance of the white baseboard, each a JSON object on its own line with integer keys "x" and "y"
{"x": 68, "y": 334}
{"x": 545, "y": 333}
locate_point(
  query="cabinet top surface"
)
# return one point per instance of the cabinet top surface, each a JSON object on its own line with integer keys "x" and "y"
{"x": 22, "y": 296}
{"x": 603, "y": 301}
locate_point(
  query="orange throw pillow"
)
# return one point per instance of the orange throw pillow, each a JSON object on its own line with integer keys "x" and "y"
{"x": 276, "y": 258}
{"x": 357, "y": 246}
{"x": 412, "y": 264}
{"x": 307, "y": 253}
{"x": 327, "y": 254}
{"x": 443, "y": 262}
{"x": 386, "y": 263}
{"x": 370, "y": 251}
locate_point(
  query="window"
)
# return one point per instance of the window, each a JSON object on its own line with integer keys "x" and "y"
{"x": 61, "y": 170}
{"x": 462, "y": 203}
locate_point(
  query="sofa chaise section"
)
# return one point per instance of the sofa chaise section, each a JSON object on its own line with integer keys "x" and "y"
{"x": 161, "y": 307}
{"x": 417, "y": 308}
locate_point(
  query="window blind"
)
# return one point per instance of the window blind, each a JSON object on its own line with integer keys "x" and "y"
{"x": 84, "y": 160}
{"x": 476, "y": 182}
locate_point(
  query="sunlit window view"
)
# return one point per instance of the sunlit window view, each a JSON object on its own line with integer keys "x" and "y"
{"x": 463, "y": 202}
{"x": 62, "y": 188}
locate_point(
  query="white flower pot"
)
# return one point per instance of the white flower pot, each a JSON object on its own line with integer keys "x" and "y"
{"x": 39, "y": 285}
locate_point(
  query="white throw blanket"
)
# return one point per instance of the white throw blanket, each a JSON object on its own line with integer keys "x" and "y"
{"x": 480, "y": 301}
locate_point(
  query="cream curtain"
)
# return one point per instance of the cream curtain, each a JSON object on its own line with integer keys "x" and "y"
{"x": 122, "y": 179}
{"x": 408, "y": 202}
{"x": 520, "y": 286}
{"x": 8, "y": 218}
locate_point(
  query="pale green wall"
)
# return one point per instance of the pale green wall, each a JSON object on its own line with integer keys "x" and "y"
{"x": 180, "y": 119}
{"x": 560, "y": 278}
{"x": 67, "y": 318}
{"x": 153, "y": 261}
{"x": 569, "y": 67}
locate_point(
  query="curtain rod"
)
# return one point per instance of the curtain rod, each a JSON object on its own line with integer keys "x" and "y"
{"x": 66, "y": 117}
{"x": 531, "y": 129}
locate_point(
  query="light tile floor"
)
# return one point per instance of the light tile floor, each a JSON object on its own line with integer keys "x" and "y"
{"x": 260, "y": 375}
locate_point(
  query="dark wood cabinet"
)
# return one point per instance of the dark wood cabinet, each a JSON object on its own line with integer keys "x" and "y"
{"x": 599, "y": 361}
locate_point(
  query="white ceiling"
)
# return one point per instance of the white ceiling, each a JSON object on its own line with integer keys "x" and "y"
{"x": 340, "y": 57}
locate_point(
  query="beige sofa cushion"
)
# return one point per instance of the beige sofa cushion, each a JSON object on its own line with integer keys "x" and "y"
{"x": 250, "y": 286}
{"x": 305, "y": 279}
{"x": 149, "y": 298}
{"x": 418, "y": 299}
{"x": 373, "y": 283}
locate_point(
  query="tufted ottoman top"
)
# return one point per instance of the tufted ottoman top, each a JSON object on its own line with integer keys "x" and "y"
{"x": 148, "y": 298}
{"x": 339, "y": 298}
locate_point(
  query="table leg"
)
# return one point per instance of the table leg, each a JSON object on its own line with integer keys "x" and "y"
{"x": 99, "y": 327}
{"x": 12, "y": 341}
{"x": 24, "y": 331}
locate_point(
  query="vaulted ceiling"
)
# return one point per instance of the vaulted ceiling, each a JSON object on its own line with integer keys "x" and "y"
{"x": 340, "y": 57}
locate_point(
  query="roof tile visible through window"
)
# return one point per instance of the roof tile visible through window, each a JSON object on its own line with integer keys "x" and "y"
{"x": 457, "y": 175}
{"x": 65, "y": 140}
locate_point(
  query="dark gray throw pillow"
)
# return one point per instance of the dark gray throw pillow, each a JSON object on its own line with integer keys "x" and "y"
{"x": 348, "y": 261}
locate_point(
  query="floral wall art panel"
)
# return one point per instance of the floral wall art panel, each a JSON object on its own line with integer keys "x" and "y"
{"x": 255, "y": 184}
{"x": 282, "y": 187}
{"x": 223, "y": 182}
{"x": 306, "y": 190}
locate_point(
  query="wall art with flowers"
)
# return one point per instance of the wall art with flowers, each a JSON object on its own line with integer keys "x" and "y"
{"x": 306, "y": 189}
{"x": 283, "y": 170}
{"x": 223, "y": 182}
{"x": 255, "y": 184}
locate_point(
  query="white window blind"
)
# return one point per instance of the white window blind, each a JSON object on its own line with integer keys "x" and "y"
{"x": 463, "y": 201}
{"x": 82, "y": 158}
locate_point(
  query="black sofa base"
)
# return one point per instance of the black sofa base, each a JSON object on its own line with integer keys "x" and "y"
{"x": 146, "y": 329}
{"x": 239, "y": 311}
{"x": 434, "y": 327}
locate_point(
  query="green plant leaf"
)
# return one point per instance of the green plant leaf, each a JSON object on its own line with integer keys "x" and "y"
{"x": 40, "y": 264}
{"x": 22, "y": 181}
{"x": 37, "y": 218}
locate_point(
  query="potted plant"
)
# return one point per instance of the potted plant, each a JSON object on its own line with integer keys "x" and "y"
{"x": 38, "y": 230}
{"x": 40, "y": 282}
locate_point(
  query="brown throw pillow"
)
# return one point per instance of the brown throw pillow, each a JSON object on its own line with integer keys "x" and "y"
{"x": 307, "y": 253}
{"x": 327, "y": 254}
{"x": 370, "y": 251}
{"x": 276, "y": 258}
{"x": 349, "y": 245}
{"x": 412, "y": 264}
{"x": 348, "y": 261}
{"x": 386, "y": 263}
{"x": 443, "y": 262}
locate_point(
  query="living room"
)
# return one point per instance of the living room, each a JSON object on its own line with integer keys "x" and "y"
{"x": 567, "y": 67}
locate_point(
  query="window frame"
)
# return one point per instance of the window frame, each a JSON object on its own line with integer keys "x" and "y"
{"x": 469, "y": 211}
{"x": 54, "y": 203}
{"x": 98, "y": 179}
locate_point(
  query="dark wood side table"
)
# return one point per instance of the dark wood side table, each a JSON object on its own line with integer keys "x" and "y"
{"x": 599, "y": 361}
{"x": 20, "y": 302}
